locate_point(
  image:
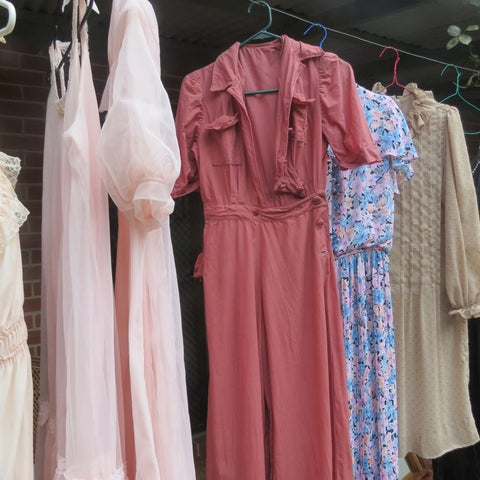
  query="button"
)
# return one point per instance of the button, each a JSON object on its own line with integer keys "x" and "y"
{"x": 316, "y": 200}
{"x": 319, "y": 223}
{"x": 300, "y": 191}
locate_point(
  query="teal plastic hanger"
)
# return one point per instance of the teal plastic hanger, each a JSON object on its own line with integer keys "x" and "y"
{"x": 262, "y": 33}
{"x": 458, "y": 94}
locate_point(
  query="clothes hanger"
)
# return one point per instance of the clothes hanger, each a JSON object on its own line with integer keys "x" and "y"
{"x": 12, "y": 18}
{"x": 397, "y": 59}
{"x": 457, "y": 93}
{"x": 91, "y": 6}
{"x": 319, "y": 25}
{"x": 261, "y": 34}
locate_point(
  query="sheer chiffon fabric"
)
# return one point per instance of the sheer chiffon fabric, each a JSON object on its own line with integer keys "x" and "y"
{"x": 79, "y": 413}
{"x": 140, "y": 153}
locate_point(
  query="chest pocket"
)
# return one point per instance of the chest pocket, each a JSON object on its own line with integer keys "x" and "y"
{"x": 223, "y": 132}
{"x": 299, "y": 117}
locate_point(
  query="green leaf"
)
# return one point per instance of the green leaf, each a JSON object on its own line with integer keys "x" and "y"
{"x": 465, "y": 39}
{"x": 452, "y": 43}
{"x": 472, "y": 28}
{"x": 454, "y": 31}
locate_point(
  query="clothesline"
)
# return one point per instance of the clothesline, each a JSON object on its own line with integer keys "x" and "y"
{"x": 406, "y": 52}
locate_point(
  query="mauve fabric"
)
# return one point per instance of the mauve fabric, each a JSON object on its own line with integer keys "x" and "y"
{"x": 277, "y": 393}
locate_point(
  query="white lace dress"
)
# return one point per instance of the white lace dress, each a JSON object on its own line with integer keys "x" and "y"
{"x": 16, "y": 392}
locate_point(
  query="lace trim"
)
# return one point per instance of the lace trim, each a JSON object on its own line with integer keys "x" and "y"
{"x": 10, "y": 167}
{"x": 12, "y": 212}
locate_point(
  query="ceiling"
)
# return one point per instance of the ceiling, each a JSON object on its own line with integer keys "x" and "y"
{"x": 194, "y": 32}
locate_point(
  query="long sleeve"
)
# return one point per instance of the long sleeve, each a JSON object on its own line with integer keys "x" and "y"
{"x": 462, "y": 225}
{"x": 138, "y": 143}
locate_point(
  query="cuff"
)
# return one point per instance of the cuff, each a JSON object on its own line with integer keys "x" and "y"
{"x": 473, "y": 311}
{"x": 152, "y": 203}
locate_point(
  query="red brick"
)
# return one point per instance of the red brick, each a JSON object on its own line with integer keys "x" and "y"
{"x": 9, "y": 59}
{"x": 35, "y": 94}
{"x": 31, "y": 272}
{"x": 30, "y": 175}
{"x": 34, "y": 224}
{"x": 30, "y": 240}
{"x": 32, "y": 304}
{"x": 21, "y": 191}
{"x": 11, "y": 92}
{"x": 25, "y": 142}
{"x": 34, "y": 62}
{"x": 34, "y": 351}
{"x": 9, "y": 124}
{"x": 34, "y": 127}
{"x": 30, "y": 321}
{"x": 34, "y": 192}
{"x": 34, "y": 337}
{"x": 14, "y": 77}
{"x": 22, "y": 109}
{"x": 37, "y": 288}
{"x": 26, "y": 259}
{"x": 33, "y": 159}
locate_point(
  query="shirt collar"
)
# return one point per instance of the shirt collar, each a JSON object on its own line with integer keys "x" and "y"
{"x": 225, "y": 70}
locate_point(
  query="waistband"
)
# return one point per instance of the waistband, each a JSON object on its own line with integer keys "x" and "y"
{"x": 265, "y": 214}
{"x": 13, "y": 340}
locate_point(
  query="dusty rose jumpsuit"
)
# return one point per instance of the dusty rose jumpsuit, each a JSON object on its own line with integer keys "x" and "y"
{"x": 277, "y": 394}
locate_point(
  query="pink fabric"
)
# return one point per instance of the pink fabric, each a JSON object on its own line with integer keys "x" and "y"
{"x": 79, "y": 412}
{"x": 141, "y": 158}
{"x": 277, "y": 394}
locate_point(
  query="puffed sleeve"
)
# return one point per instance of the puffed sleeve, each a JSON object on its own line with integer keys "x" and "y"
{"x": 138, "y": 145}
{"x": 343, "y": 121}
{"x": 462, "y": 225}
{"x": 187, "y": 119}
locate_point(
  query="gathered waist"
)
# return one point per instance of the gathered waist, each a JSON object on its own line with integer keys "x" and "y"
{"x": 264, "y": 214}
{"x": 13, "y": 340}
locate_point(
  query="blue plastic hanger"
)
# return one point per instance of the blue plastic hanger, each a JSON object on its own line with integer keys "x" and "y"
{"x": 457, "y": 93}
{"x": 319, "y": 25}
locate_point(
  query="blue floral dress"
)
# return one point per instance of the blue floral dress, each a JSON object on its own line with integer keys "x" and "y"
{"x": 361, "y": 224}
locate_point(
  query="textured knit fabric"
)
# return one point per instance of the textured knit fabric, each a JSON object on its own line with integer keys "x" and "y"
{"x": 140, "y": 153}
{"x": 435, "y": 277}
{"x": 78, "y": 421}
{"x": 277, "y": 393}
{"x": 361, "y": 221}
{"x": 16, "y": 390}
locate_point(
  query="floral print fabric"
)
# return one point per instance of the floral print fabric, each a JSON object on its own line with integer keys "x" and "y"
{"x": 361, "y": 205}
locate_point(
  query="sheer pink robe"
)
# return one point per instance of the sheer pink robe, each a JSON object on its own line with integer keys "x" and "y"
{"x": 83, "y": 440}
{"x": 141, "y": 157}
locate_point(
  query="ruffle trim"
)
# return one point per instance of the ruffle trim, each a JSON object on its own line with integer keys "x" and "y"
{"x": 472, "y": 311}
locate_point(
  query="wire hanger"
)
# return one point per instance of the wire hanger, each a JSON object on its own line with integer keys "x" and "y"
{"x": 90, "y": 7}
{"x": 397, "y": 59}
{"x": 457, "y": 92}
{"x": 263, "y": 32}
{"x": 319, "y": 25}
{"x": 12, "y": 18}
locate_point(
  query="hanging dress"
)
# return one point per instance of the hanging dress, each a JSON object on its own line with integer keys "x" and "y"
{"x": 86, "y": 421}
{"x": 277, "y": 391}
{"x": 141, "y": 158}
{"x": 435, "y": 279}
{"x": 16, "y": 389}
{"x": 361, "y": 221}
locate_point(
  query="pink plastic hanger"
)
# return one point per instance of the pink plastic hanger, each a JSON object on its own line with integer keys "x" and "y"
{"x": 397, "y": 59}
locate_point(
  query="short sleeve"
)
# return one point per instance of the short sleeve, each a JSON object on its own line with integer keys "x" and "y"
{"x": 138, "y": 145}
{"x": 343, "y": 121}
{"x": 187, "y": 120}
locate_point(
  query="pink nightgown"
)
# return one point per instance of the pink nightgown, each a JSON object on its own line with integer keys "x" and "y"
{"x": 141, "y": 158}
{"x": 82, "y": 429}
